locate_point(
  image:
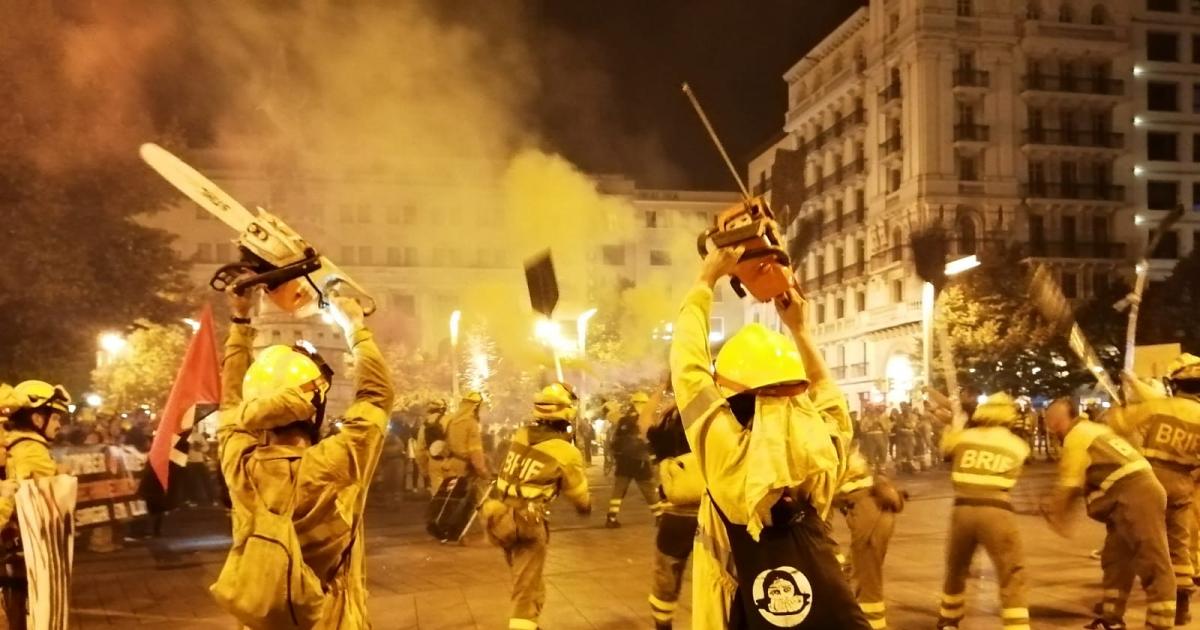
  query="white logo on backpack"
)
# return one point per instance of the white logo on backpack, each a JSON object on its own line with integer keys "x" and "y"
{"x": 783, "y": 596}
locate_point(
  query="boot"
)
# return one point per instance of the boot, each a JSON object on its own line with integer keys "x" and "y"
{"x": 1183, "y": 616}
{"x": 611, "y": 522}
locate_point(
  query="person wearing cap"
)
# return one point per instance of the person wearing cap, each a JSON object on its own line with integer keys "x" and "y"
{"x": 771, "y": 432}
{"x": 429, "y": 433}
{"x": 986, "y": 460}
{"x": 631, "y": 455}
{"x": 1121, "y": 491}
{"x": 1167, "y": 432}
{"x": 540, "y": 464}
{"x": 271, "y": 452}
{"x": 37, "y": 411}
{"x": 463, "y": 455}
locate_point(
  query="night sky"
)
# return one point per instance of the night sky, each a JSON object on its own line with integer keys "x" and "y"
{"x": 732, "y": 52}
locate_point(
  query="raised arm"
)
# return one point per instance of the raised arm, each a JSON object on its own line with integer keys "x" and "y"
{"x": 691, "y": 362}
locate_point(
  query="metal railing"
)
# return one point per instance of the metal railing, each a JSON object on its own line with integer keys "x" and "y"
{"x": 1074, "y": 138}
{"x": 1076, "y": 249}
{"x": 1069, "y": 190}
{"x": 971, "y": 132}
{"x": 1076, "y": 85}
{"x": 970, "y": 77}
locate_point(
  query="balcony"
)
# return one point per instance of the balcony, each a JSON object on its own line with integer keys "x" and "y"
{"x": 1069, "y": 190}
{"x": 971, "y": 78}
{"x": 1074, "y": 85}
{"x": 857, "y": 370}
{"x": 1074, "y": 138}
{"x": 1076, "y": 249}
{"x": 890, "y": 146}
{"x": 889, "y": 94}
{"x": 856, "y": 270}
{"x": 858, "y": 166}
{"x": 887, "y": 257}
{"x": 836, "y": 130}
{"x": 970, "y": 132}
{"x": 839, "y": 372}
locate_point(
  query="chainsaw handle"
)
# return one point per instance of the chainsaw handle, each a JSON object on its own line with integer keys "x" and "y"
{"x": 773, "y": 251}
{"x": 702, "y": 241}
{"x": 332, "y": 289}
{"x": 227, "y": 275}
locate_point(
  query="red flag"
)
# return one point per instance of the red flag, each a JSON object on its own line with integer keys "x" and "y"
{"x": 198, "y": 382}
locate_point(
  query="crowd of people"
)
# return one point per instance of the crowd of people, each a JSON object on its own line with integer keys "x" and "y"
{"x": 743, "y": 458}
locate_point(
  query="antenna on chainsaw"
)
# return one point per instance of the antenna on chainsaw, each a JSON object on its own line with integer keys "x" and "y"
{"x": 717, "y": 141}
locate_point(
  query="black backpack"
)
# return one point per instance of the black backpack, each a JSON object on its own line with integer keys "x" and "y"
{"x": 434, "y": 432}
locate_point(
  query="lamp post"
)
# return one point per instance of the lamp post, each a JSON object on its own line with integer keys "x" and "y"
{"x": 454, "y": 319}
{"x": 111, "y": 344}
{"x": 928, "y": 300}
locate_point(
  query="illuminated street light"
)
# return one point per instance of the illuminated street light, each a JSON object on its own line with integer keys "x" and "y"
{"x": 112, "y": 343}
{"x": 93, "y": 399}
{"x": 967, "y": 263}
{"x": 549, "y": 332}
{"x": 581, "y": 329}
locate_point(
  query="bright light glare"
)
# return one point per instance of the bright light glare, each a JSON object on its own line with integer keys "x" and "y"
{"x": 327, "y": 317}
{"x": 1137, "y": 121}
{"x": 1138, "y": 219}
{"x": 1138, "y": 71}
{"x": 962, "y": 264}
{"x": 549, "y": 332}
{"x": 93, "y": 400}
{"x": 454, "y": 319}
{"x": 899, "y": 373}
{"x": 981, "y": 399}
{"x": 1138, "y": 170}
{"x": 193, "y": 324}
{"x": 112, "y": 343}
{"x": 581, "y": 328}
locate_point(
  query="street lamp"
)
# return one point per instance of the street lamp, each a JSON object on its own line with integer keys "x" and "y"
{"x": 581, "y": 329}
{"x": 549, "y": 332}
{"x": 954, "y": 267}
{"x": 93, "y": 400}
{"x": 454, "y": 319}
{"x": 111, "y": 345}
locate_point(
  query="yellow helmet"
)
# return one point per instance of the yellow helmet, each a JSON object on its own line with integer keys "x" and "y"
{"x": 473, "y": 397}
{"x": 436, "y": 405}
{"x": 286, "y": 367}
{"x": 757, "y": 357}
{"x": 554, "y": 402}
{"x": 33, "y": 394}
{"x": 1185, "y": 367}
{"x": 998, "y": 409}
{"x": 639, "y": 398}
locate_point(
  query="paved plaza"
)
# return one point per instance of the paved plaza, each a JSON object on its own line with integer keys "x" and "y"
{"x": 597, "y": 578}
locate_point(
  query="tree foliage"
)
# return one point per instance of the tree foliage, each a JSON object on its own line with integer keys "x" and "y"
{"x": 75, "y": 261}
{"x": 1000, "y": 340}
{"x": 145, "y": 370}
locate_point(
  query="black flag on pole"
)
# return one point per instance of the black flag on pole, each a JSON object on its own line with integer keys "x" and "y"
{"x": 543, "y": 285}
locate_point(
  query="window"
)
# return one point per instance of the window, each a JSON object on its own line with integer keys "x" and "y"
{"x": 411, "y": 215}
{"x": 1070, "y": 285}
{"x": 716, "y": 327}
{"x": 1196, "y": 147}
{"x": 1100, "y": 282}
{"x": 1162, "y": 195}
{"x": 1168, "y": 247}
{"x": 893, "y": 180}
{"x": 821, "y": 313}
{"x": 860, "y": 200}
{"x": 404, "y": 304}
{"x": 966, "y": 8}
{"x": 893, "y": 22}
{"x": 966, "y": 236}
{"x": 1162, "y": 146}
{"x": 1070, "y": 232}
{"x": 897, "y": 246}
{"x": 1196, "y": 199}
{"x": 1162, "y": 46}
{"x": 1099, "y": 229}
{"x": 651, "y": 219}
{"x": 364, "y": 255}
{"x": 1033, "y": 10}
{"x": 346, "y": 213}
{"x": 204, "y": 252}
{"x": 860, "y": 301}
{"x": 1099, "y": 15}
{"x": 660, "y": 258}
{"x": 613, "y": 254}
{"x": 410, "y": 257}
{"x": 967, "y": 168}
{"x": 347, "y": 257}
{"x": 1037, "y": 230}
{"x": 1162, "y": 96}
{"x": 1196, "y": 98}
{"x": 839, "y": 308}
{"x": 1168, "y": 6}
{"x": 860, "y": 251}
{"x": 1195, "y": 48}
{"x": 1035, "y": 118}
{"x": 897, "y": 291}
{"x": 1066, "y": 13}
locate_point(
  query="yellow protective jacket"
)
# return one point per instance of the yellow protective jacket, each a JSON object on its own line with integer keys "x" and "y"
{"x": 541, "y": 464}
{"x": 330, "y": 478}
{"x": 28, "y": 457}
{"x": 795, "y": 444}
{"x": 464, "y": 443}
{"x": 681, "y": 483}
{"x": 986, "y": 462}
{"x": 1164, "y": 429}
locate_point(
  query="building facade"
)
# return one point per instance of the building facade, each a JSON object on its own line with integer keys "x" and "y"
{"x": 1005, "y": 122}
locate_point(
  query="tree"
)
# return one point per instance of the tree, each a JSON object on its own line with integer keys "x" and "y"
{"x": 144, "y": 372}
{"x": 75, "y": 259}
{"x": 1000, "y": 340}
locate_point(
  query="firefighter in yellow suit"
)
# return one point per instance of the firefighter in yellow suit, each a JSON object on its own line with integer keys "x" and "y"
{"x": 540, "y": 464}
{"x": 37, "y": 413}
{"x": 770, "y": 430}
{"x": 987, "y": 458}
{"x": 1121, "y": 491}
{"x": 271, "y": 412}
{"x": 464, "y": 440}
{"x": 1167, "y": 431}
{"x": 435, "y": 409}
{"x": 870, "y": 504}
